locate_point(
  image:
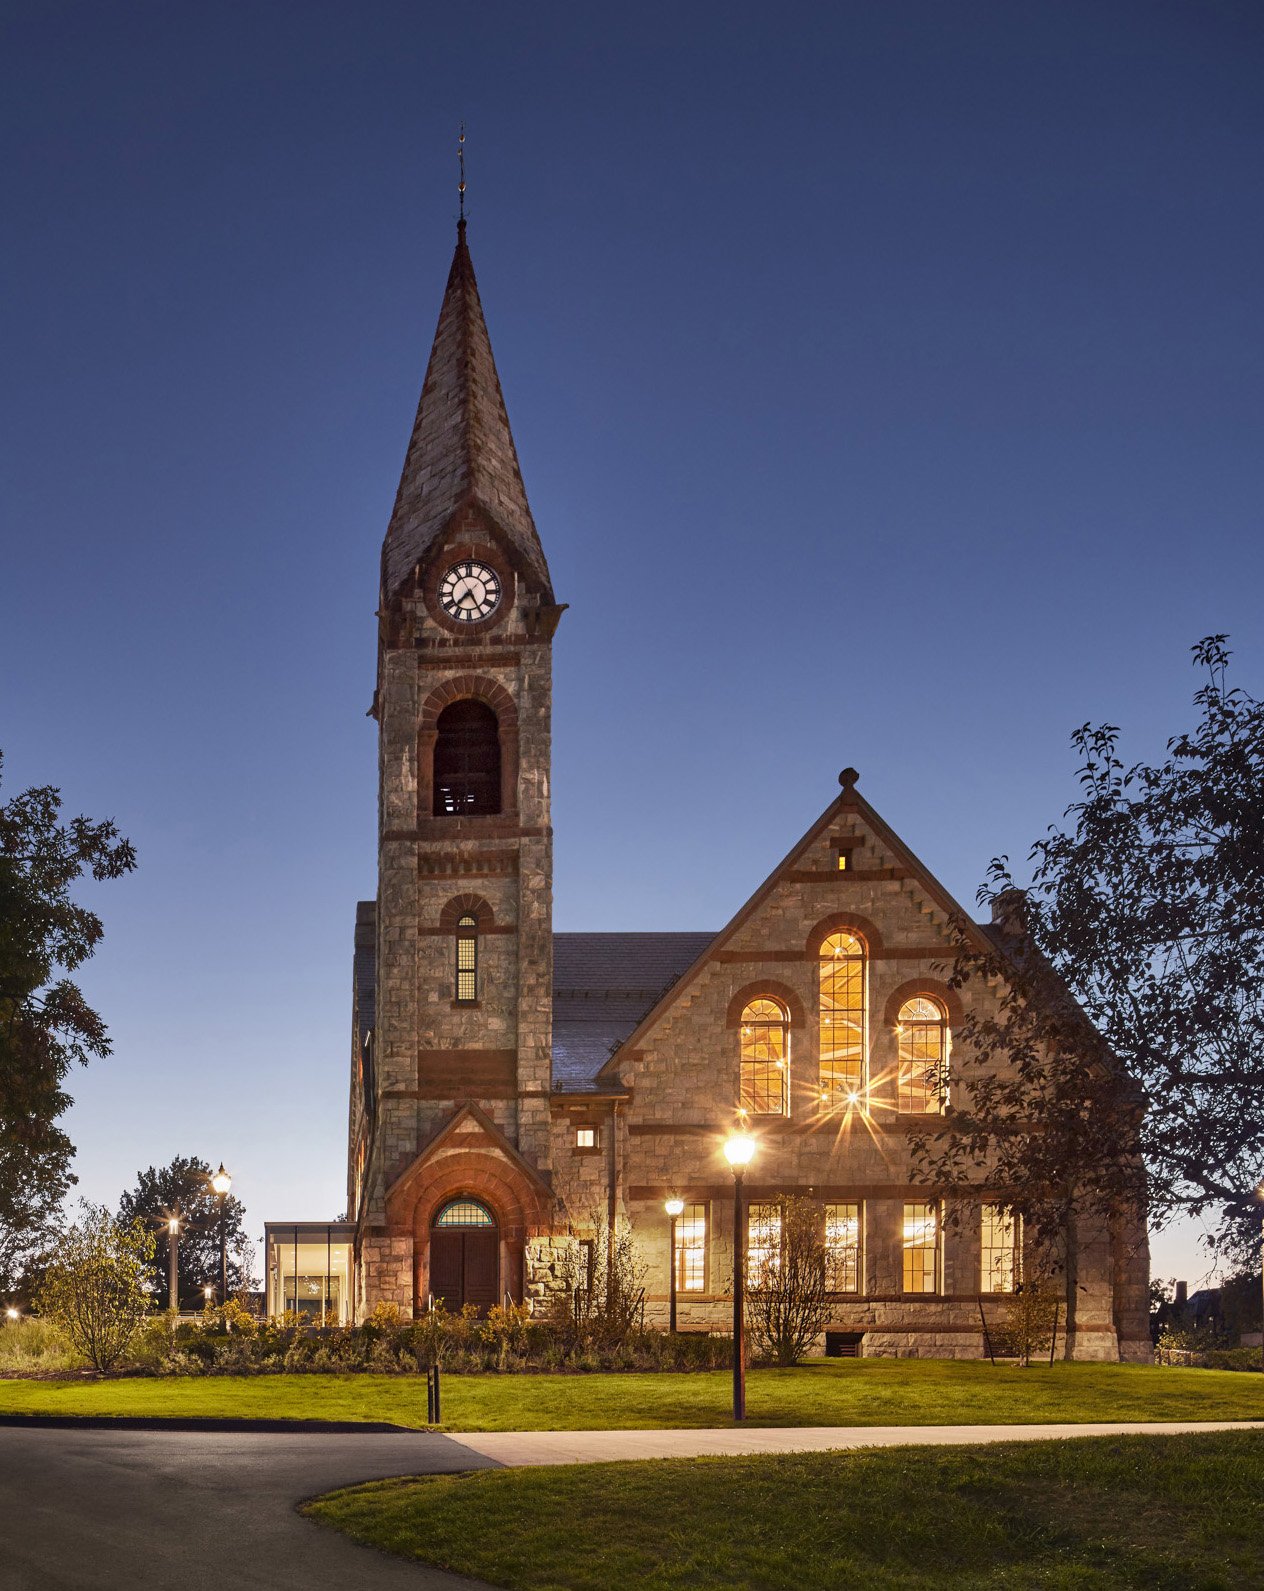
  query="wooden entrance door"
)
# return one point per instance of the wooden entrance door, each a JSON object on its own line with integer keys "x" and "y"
{"x": 465, "y": 1257}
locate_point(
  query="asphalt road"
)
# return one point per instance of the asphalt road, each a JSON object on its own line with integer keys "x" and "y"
{"x": 92, "y": 1510}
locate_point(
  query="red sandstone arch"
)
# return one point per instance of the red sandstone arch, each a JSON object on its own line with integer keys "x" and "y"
{"x": 466, "y": 906}
{"x": 767, "y": 989}
{"x": 933, "y": 989}
{"x": 845, "y": 923}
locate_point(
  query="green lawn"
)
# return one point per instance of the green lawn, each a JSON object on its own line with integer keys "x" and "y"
{"x": 835, "y": 1392}
{"x": 1165, "y": 1513}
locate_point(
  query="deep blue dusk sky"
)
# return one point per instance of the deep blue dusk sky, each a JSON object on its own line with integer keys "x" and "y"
{"x": 887, "y": 381}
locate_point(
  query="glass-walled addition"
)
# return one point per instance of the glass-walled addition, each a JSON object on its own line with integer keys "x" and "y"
{"x": 309, "y": 1266}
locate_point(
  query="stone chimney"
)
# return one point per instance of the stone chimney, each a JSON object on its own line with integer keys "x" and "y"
{"x": 1009, "y": 913}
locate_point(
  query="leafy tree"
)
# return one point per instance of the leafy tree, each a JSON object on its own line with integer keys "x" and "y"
{"x": 788, "y": 1282}
{"x": 1031, "y": 1320}
{"x": 95, "y": 1286}
{"x": 1126, "y": 1059}
{"x": 184, "y": 1188}
{"x": 45, "y": 1023}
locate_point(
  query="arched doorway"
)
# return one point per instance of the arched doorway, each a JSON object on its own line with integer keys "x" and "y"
{"x": 465, "y": 1255}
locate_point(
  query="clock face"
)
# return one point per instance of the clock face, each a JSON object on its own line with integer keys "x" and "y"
{"x": 469, "y": 592}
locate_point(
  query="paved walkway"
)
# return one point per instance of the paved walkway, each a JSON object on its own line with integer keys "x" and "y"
{"x": 512, "y": 1448}
{"x": 111, "y": 1510}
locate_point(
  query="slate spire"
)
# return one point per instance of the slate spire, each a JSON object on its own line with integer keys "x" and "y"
{"x": 461, "y": 451}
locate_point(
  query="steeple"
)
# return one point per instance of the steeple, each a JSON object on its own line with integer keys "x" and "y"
{"x": 461, "y": 451}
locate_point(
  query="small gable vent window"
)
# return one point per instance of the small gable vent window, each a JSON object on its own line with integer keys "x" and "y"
{"x": 466, "y": 761}
{"x": 466, "y": 960}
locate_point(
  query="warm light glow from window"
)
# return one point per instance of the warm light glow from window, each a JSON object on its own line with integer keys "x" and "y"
{"x": 922, "y": 1038}
{"x": 921, "y": 1248}
{"x": 690, "y": 1258}
{"x": 763, "y": 1243}
{"x": 765, "y": 1052}
{"x": 842, "y": 1248}
{"x": 585, "y": 1137}
{"x": 1000, "y": 1248}
{"x": 843, "y": 1021}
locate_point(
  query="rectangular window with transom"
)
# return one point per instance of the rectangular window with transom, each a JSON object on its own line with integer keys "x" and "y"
{"x": 1000, "y": 1233}
{"x": 843, "y": 1268}
{"x": 763, "y": 1243}
{"x": 691, "y": 1249}
{"x": 921, "y": 1248}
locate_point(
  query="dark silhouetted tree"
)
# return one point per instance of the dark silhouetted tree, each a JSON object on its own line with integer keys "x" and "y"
{"x": 1126, "y": 1058}
{"x": 184, "y": 1186}
{"x": 46, "y": 1026}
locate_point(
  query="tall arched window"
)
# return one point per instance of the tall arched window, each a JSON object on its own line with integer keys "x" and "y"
{"x": 467, "y": 960}
{"x": 922, "y": 1035}
{"x": 843, "y": 1022}
{"x": 466, "y": 760}
{"x": 765, "y": 1052}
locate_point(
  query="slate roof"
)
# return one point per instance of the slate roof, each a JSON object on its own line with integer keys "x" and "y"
{"x": 603, "y": 984}
{"x": 461, "y": 450}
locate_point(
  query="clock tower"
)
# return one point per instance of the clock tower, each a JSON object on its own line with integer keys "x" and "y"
{"x": 455, "y": 1083}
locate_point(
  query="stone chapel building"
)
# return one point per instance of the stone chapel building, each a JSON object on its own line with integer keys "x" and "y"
{"x": 513, "y": 1088}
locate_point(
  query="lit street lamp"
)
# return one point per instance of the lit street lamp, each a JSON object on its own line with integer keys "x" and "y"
{"x": 173, "y": 1261}
{"x": 222, "y": 1182}
{"x": 673, "y": 1208}
{"x": 739, "y": 1151}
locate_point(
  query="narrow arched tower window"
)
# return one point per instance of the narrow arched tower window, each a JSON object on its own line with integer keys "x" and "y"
{"x": 466, "y": 761}
{"x": 466, "y": 960}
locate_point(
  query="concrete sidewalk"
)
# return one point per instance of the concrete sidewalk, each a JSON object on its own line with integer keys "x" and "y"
{"x": 513, "y": 1448}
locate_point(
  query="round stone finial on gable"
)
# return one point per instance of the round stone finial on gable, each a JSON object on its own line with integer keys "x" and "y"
{"x": 848, "y": 778}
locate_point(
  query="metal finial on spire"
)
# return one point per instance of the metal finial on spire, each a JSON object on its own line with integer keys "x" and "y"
{"x": 460, "y": 153}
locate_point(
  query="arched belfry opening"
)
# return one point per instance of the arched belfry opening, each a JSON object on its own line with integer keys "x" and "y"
{"x": 466, "y": 760}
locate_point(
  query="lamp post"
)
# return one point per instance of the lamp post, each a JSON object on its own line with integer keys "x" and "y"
{"x": 173, "y": 1261}
{"x": 673, "y": 1208}
{"x": 1259, "y": 1194}
{"x": 222, "y": 1182}
{"x": 739, "y": 1151}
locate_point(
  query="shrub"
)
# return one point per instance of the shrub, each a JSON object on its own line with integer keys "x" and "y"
{"x": 94, "y": 1287}
{"x": 34, "y": 1344}
{"x": 787, "y": 1297}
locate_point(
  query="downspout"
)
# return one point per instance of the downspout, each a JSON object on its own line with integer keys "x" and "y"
{"x": 614, "y": 1165}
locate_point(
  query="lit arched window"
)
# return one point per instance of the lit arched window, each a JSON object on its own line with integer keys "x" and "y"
{"x": 765, "y": 1050}
{"x": 466, "y": 760}
{"x": 843, "y": 1022}
{"x": 466, "y": 959}
{"x": 464, "y": 1212}
{"x": 922, "y": 1034}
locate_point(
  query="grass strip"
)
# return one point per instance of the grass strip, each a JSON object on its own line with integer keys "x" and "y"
{"x": 833, "y": 1392}
{"x": 1176, "y": 1513}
